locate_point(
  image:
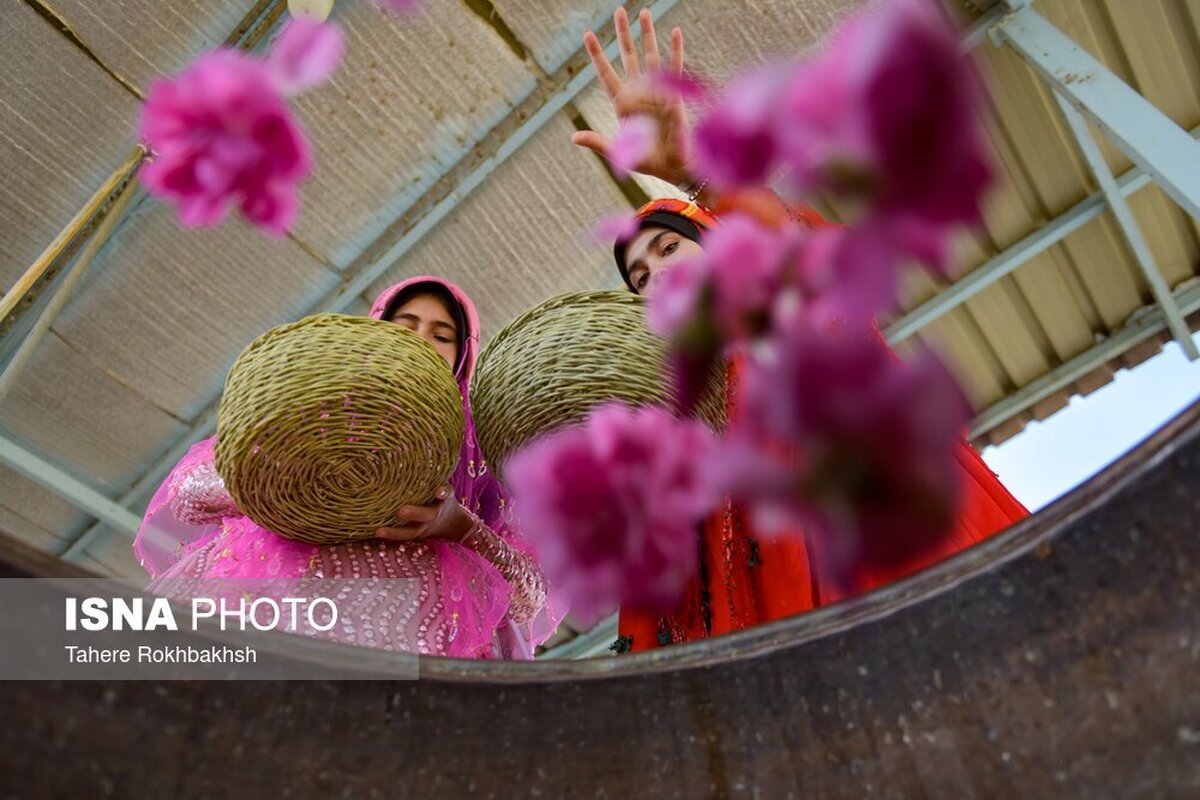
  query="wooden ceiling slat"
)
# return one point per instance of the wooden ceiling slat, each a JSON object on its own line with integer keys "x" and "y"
{"x": 142, "y": 39}
{"x": 167, "y": 310}
{"x": 412, "y": 97}
{"x": 78, "y": 416}
{"x": 523, "y": 236}
{"x": 64, "y": 127}
{"x": 34, "y": 514}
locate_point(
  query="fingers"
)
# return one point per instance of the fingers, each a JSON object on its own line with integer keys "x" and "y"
{"x": 677, "y": 51}
{"x": 649, "y": 41}
{"x": 604, "y": 68}
{"x": 629, "y": 56}
{"x": 591, "y": 140}
{"x": 422, "y": 515}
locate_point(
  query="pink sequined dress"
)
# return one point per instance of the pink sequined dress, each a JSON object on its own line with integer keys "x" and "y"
{"x": 482, "y": 598}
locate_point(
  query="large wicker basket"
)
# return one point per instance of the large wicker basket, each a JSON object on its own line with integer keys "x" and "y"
{"x": 330, "y": 424}
{"x": 550, "y": 366}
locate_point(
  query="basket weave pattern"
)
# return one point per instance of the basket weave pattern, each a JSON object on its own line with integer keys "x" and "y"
{"x": 553, "y": 364}
{"x": 330, "y": 424}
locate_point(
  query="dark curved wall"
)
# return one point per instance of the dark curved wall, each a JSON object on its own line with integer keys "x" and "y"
{"x": 1060, "y": 659}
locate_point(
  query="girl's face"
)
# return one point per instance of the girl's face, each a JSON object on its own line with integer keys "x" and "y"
{"x": 653, "y": 252}
{"x": 427, "y": 315}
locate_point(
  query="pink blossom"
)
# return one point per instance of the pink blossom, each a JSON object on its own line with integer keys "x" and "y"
{"x": 743, "y": 268}
{"x": 838, "y": 438}
{"x": 890, "y": 112}
{"x": 887, "y": 115}
{"x": 682, "y": 309}
{"x": 725, "y": 297}
{"x": 851, "y": 273}
{"x": 685, "y": 86}
{"x": 749, "y": 267}
{"x": 612, "y": 506}
{"x": 682, "y": 294}
{"x": 736, "y": 142}
{"x": 222, "y": 134}
{"x": 615, "y": 228}
{"x": 305, "y": 54}
{"x": 633, "y": 143}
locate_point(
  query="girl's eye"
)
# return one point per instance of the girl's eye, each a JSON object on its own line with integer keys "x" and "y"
{"x": 642, "y": 280}
{"x": 442, "y": 339}
{"x": 670, "y": 248}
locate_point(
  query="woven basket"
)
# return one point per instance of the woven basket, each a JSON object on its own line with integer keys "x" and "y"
{"x": 550, "y": 366}
{"x": 330, "y": 424}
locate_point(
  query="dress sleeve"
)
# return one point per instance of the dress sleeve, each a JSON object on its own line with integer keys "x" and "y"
{"x": 517, "y": 567}
{"x": 187, "y": 509}
{"x": 198, "y": 495}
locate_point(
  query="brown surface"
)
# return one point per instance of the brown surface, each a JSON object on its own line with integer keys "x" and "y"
{"x": 1058, "y": 659}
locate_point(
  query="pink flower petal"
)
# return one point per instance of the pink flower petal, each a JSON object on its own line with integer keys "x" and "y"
{"x": 615, "y": 228}
{"x": 221, "y": 134}
{"x": 687, "y": 86}
{"x": 634, "y": 141}
{"x": 736, "y": 280}
{"x": 306, "y": 53}
{"x": 735, "y": 142}
{"x": 612, "y": 506}
{"x": 678, "y": 299}
{"x": 840, "y": 439}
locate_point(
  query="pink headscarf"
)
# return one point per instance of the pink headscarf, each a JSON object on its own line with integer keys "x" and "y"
{"x": 473, "y": 591}
{"x": 474, "y": 484}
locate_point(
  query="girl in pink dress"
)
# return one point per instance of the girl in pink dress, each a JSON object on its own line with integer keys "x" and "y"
{"x": 476, "y": 590}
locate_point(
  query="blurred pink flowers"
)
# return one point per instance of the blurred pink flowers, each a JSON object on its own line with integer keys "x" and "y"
{"x": 831, "y": 434}
{"x": 886, "y": 115}
{"x": 612, "y": 506}
{"x": 724, "y": 297}
{"x": 305, "y": 55}
{"x": 222, "y": 134}
{"x": 633, "y": 142}
{"x": 890, "y": 114}
{"x": 736, "y": 281}
{"x": 736, "y": 142}
{"x": 838, "y": 438}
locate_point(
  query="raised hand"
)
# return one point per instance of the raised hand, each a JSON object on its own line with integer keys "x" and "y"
{"x": 638, "y": 93}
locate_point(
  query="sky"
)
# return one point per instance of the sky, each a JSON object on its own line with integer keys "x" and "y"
{"x": 1051, "y": 457}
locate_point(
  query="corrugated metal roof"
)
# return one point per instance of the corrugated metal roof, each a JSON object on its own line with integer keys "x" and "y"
{"x": 1088, "y": 286}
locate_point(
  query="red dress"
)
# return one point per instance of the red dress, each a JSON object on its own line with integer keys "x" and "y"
{"x": 744, "y": 581}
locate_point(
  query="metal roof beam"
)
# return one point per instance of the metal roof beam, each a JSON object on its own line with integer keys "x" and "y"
{"x": 78, "y": 493}
{"x": 1128, "y": 226}
{"x": 593, "y": 643}
{"x": 1014, "y": 256}
{"x": 981, "y": 27}
{"x": 1144, "y": 133}
{"x": 1137, "y": 330}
